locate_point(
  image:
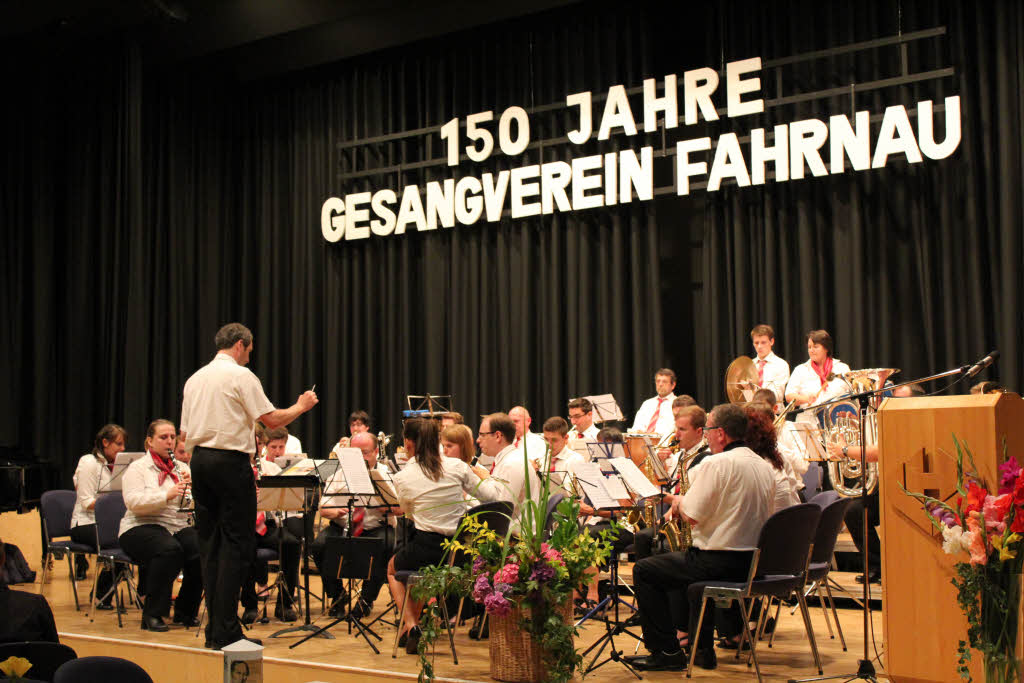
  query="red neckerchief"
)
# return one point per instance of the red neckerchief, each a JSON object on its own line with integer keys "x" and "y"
{"x": 823, "y": 371}
{"x": 165, "y": 467}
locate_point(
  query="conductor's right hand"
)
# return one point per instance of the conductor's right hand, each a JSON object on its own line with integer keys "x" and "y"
{"x": 307, "y": 400}
{"x": 177, "y": 491}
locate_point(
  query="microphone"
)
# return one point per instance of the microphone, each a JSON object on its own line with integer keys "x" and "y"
{"x": 982, "y": 364}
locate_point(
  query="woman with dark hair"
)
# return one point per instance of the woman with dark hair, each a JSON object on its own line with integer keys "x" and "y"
{"x": 156, "y": 534}
{"x": 816, "y": 381}
{"x": 91, "y": 476}
{"x": 763, "y": 440}
{"x": 430, "y": 492}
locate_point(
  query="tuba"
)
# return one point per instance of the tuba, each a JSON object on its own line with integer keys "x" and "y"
{"x": 841, "y": 426}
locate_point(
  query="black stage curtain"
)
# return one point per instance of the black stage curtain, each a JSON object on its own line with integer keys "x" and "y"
{"x": 916, "y": 267}
{"x": 145, "y": 207}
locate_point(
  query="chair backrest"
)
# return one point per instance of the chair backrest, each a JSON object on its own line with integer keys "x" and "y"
{"x": 785, "y": 539}
{"x": 496, "y": 515}
{"x": 101, "y": 670}
{"x": 829, "y": 525}
{"x": 46, "y": 657}
{"x": 57, "y": 508}
{"x": 812, "y": 479}
{"x": 553, "y": 502}
{"x": 109, "y": 511}
{"x": 824, "y": 499}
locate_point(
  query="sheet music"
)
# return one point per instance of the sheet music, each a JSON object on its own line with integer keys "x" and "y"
{"x": 590, "y": 479}
{"x": 634, "y": 478}
{"x": 606, "y": 408}
{"x": 121, "y": 463}
{"x": 353, "y": 467}
{"x": 288, "y": 459}
{"x": 604, "y": 450}
{"x": 288, "y": 499}
{"x": 615, "y": 488}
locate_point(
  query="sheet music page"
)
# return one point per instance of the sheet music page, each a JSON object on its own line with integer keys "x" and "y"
{"x": 615, "y": 488}
{"x": 590, "y": 479}
{"x": 304, "y": 466}
{"x": 287, "y": 460}
{"x": 634, "y": 478}
{"x": 354, "y": 468}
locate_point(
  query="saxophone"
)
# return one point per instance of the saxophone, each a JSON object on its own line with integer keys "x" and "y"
{"x": 677, "y": 533}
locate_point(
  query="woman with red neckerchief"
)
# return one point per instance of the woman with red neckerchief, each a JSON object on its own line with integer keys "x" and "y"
{"x": 816, "y": 381}
{"x": 157, "y": 535}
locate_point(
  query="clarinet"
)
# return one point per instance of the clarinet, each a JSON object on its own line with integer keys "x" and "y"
{"x": 184, "y": 493}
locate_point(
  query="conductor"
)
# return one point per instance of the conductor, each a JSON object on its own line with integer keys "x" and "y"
{"x": 222, "y": 402}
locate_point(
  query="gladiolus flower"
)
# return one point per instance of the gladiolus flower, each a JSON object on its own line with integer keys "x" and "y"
{"x": 996, "y": 507}
{"x": 953, "y": 540}
{"x": 1009, "y": 472}
{"x": 975, "y": 537}
{"x": 975, "y": 497}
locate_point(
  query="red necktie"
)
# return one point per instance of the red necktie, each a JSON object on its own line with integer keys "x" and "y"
{"x": 760, "y": 371}
{"x": 654, "y": 418}
{"x": 357, "y": 521}
{"x": 517, "y": 441}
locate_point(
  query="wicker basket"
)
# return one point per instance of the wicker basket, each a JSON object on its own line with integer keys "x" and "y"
{"x": 515, "y": 656}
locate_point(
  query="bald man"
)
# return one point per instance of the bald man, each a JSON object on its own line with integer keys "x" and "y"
{"x": 534, "y": 444}
{"x": 365, "y": 523}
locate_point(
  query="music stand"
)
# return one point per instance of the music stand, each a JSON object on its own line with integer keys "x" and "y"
{"x": 121, "y": 463}
{"x": 595, "y": 486}
{"x": 308, "y": 482}
{"x": 606, "y": 407}
{"x": 428, "y": 405}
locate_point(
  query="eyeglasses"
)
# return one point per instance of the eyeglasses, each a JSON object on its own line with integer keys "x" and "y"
{"x": 486, "y": 433}
{"x": 708, "y": 429}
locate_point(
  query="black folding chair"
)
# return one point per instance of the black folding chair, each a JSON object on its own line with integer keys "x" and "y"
{"x": 56, "y": 508}
{"x": 498, "y": 517}
{"x": 778, "y": 569}
{"x": 101, "y": 670}
{"x": 832, "y": 515}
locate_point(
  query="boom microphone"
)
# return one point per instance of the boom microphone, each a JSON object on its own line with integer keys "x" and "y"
{"x": 982, "y": 364}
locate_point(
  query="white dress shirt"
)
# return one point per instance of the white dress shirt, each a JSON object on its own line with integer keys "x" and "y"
{"x": 792, "y": 454}
{"x": 508, "y": 481}
{"x": 785, "y": 490}
{"x": 334, "y": 498}
{"x": 666, "y": 422}
{"x": 805, "y": 380}
{"x": 91, "y": 475}
{"x": 146, "y": 500}
{"x": 589, "y": 434}
{"x": 293, "y": 446}
{"x": 561, "y": 467}
{"x": 775, "y": 374}
{"x": 222, "y": 401}
{"x": 730, "y": 500}
{"x": 435, "y": 506}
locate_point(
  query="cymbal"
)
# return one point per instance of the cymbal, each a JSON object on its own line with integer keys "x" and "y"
{"x": 739, "y": 371}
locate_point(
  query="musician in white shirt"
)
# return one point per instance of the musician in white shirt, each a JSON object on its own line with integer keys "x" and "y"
{"x": 581, "y": 414}
{"x": 358, "y": 423}
{"x": 512, "y": 473}
{"x": 816, "y": 381}
{"x": 93, "y": 473}
{"x": 156, "y": 534}
{"x": 655, "y": 414}
{"x": 725, "y": 534}
{"x": 431, "y": 492}
{"x": 772, "y": 371}
{"x": 562, "y": 458}
{"x": 525, "y": 440}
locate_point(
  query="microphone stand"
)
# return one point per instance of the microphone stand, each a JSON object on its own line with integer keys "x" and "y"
{"x": 865, "y": 667}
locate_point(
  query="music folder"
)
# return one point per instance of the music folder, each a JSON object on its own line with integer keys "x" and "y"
{"x": 121, "y": 463}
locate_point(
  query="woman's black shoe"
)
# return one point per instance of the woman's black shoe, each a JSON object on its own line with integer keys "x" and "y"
{"x": 187, "y": 622}
{"x": 412, "y": 643}
{"x": 153, "y": 624}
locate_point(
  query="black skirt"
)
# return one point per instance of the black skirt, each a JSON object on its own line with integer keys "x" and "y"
{"x": 423, "y": 548}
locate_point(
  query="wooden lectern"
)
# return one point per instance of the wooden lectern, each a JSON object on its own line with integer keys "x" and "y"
{"x": 921, "y": 619}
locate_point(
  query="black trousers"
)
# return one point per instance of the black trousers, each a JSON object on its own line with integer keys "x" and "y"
{"x": 225, "y": 495}
{"x": 654, "y": 578}
{"x": 371, "y": 587}
{"x": 276, "y": 538}
{"x": 86, "y": 535}
{"x": 855, "y": 523}
{"x": 164, "y": 555}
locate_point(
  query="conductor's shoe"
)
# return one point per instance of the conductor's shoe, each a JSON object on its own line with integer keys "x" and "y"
{"x": 153, "y": 624}
{"x": 661, "y": 661}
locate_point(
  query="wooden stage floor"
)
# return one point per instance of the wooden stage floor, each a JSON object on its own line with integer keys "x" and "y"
{"x": 179, "y": 657}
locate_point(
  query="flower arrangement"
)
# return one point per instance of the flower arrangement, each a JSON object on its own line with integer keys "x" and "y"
{"x": 536, "y": 572}
{"x": 987, "y": 527}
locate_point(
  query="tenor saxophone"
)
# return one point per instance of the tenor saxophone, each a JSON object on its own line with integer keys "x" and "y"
{"x": 677, "y": 533}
